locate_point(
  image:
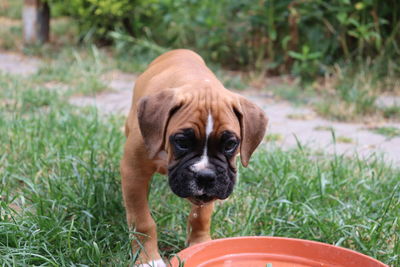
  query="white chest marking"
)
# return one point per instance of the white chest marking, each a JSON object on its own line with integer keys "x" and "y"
{"x": 203, "y": 162}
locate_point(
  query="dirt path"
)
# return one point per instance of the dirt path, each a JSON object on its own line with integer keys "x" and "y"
{"x": 292, "y": 123}
{"x": 18, "y": 65}
{"x": 288, "y": 124}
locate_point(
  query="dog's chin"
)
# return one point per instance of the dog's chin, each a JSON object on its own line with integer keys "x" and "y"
{"x": 201, "y": 200}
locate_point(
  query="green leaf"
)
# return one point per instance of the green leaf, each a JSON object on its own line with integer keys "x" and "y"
{"x": 273, "y": 35}
{"x": 285, "y": 41}
{"x": 314, "y": 55}
{"x": 342, "y": 17}
{"x": 295, "y": 55}
{"x": 305, "y": 49}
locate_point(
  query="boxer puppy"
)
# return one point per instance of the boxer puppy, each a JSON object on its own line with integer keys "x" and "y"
{"x": 184, "y": 123}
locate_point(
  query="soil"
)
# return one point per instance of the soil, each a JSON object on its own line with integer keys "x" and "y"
{"x": 17, "y": 64}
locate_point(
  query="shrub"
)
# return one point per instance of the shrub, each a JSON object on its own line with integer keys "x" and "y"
{"x": 266, "y": 35}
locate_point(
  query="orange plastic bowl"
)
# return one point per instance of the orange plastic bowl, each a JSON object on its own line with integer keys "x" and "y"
{"x": 270, "y": 252}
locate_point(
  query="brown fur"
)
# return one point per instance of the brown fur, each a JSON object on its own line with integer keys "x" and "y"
{"x": 177, "y": 91}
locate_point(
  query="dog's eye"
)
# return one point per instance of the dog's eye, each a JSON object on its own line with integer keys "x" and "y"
{"x": 230, "y": 145}
{"x": 182, "y": 142}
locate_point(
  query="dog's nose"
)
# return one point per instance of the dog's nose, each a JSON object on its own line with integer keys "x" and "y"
{"x": 206, "y": 177}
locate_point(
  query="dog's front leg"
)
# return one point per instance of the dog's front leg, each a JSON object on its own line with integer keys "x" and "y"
{"x": 135, "y": 187}
{"x": 199, "y": 224}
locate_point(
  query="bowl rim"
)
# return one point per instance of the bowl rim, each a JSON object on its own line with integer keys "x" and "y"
{"x": 190, "y": 251}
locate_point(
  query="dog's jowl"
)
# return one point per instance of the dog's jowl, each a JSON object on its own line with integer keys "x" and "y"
{"x": 185, "y": 124}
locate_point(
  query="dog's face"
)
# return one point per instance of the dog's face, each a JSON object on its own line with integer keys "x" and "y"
{"x": 202, "y": 163}
{"x": 202, "y": 137}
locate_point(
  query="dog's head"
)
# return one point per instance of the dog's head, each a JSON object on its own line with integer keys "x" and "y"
{"x": 202, "y": 132}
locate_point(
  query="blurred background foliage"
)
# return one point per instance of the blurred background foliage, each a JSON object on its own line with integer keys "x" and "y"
{"x": 340, "y": 56}
{"x": 301, "y": 37}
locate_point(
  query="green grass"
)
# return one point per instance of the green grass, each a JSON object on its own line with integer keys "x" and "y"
{"x": 61, "y": 203}
{"x": 349, "y": 93}
{"x": 273, "y": 137}
{"x": 324, "y": 128}
{"x": 11, "y": 8}
{"x": 293, "y": 93}
{"x": 11, "y": 36}
{"x": 352, "y": 92}
{"x": 388, "y": 131}
{"x": 344, "y": 140}
{"x": 392, "y": 112}
{"x": 80, "y": 67}
{"x": 65, "y": 181}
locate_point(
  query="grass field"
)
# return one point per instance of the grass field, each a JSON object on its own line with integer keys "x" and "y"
{"x": 61, "y": 203}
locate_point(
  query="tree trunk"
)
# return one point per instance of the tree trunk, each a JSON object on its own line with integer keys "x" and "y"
{"x": 36, "y": 21}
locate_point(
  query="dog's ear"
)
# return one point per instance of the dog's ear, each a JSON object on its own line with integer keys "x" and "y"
{"x": 153, "y": 114}
{"x": 253, "y": 123}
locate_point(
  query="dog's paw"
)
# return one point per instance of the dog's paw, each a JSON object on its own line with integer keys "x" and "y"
{"x": 154, "y": 263}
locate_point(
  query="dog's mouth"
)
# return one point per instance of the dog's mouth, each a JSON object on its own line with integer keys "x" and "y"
{"x": 201, "y": 200}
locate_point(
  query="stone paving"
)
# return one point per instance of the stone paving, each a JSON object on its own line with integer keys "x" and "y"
{"x": 289, "y": 124}
{"x": 316, "y": 132}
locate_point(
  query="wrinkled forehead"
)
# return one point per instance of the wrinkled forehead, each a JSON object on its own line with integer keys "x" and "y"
{"x": 205, "y": 120}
